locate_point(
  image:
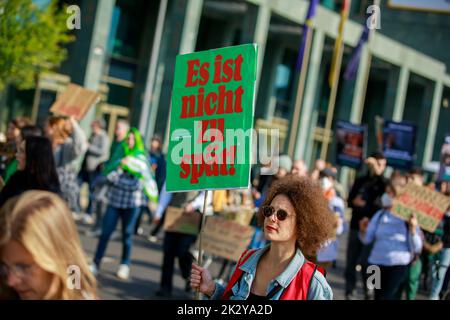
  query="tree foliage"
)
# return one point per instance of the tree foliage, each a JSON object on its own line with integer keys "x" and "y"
{"x": 32, "y": 39}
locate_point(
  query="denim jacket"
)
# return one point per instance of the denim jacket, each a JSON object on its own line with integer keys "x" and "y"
{"x": 319, "y": 290}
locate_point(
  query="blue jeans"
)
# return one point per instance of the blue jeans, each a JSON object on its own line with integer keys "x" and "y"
{"x": 438, "y": 274}
{"x": 128, "y": 217}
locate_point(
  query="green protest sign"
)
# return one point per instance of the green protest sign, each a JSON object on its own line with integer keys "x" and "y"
{"x": 211, "y": 119}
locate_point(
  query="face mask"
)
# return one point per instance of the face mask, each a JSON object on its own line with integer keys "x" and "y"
{"x": 386, "y": 201}
{"x": 326, "y": 184}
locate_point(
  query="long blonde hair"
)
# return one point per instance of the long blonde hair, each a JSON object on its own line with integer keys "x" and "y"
{"x": 43, "y": 224}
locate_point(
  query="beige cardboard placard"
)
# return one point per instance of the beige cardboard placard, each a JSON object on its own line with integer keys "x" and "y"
{"x": 226, "y": 238}
{"x": 177, "y": 221}
{"x": 428, "y": 205}
{"x": 75, "y": 101}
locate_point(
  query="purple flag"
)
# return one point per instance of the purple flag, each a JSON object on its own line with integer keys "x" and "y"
{"x": 306, "y": 28}
{"x": 352, "y": 66}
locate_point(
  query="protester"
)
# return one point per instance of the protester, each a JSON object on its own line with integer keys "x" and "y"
{"x": 11, "y": 144}
{"x": 100, "y": 188}
{"x": 299, "y": 168}
{"x": 296, "y": 221}
{"x": 158, "y": 162}
{"x": 69, "y": 144}
{"x": 131, "y": 186}
{"x": 328, "y": 254}
{"x": 439, "y": 270}
{"x": 120, "y": 133}
{"x": 96, "y": 154}
{"x": 364, "y": 199}
{"x": 35, "y": 169}
{"x": 26, "y": 131}
{"x": 176, "y": 244}
{"x": 319, "y": 165}
{"x": 410, "y": 285}
{"x": 396, "y": 244}
{"x": 259, "y": 193}
{"x": 40, "y": 249}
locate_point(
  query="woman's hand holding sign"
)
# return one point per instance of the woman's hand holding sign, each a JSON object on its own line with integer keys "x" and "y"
{"x": 201, "y": 279}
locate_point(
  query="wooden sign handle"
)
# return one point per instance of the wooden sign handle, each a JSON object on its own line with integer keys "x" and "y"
{"x": 200, "y": 253}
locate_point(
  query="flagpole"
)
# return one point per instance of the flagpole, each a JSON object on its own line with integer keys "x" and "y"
{"x": 333, "y": 93}
{"x": 200, "y": 238}
{"x": 299, "y": 96}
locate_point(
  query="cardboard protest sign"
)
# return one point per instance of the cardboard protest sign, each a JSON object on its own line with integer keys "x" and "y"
{"x": 399, "y": 144}
{"x": 176, "y": 221}
{"x": 351, "y": 140}
{"x": 211, "y": 119}
{"x": 75, "y": 101}
{"x": 226, "y": 238}
{"x": 428, "y": 205}
{"x": 444, "y": 164}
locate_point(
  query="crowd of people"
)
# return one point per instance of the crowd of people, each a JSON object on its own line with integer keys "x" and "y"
{"x": 300, "y": 219}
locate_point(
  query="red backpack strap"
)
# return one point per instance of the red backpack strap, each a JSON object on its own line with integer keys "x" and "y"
{"x": 299, "y": 287}
{"x": 237, "y": 273}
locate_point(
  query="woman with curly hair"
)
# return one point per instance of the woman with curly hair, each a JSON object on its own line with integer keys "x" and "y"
{"x": 295, "y": 218}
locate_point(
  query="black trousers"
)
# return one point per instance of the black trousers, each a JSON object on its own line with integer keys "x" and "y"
{"x": 176, "y": 245}
{"x": 391, "y": 279}
{"x": 357, "y": 253}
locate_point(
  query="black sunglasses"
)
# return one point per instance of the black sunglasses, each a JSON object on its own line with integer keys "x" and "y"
{"x": 267, "y": 211}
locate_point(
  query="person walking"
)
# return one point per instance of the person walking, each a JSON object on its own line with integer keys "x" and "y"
{"x": 396, "y": 244}
{"x": 131, "y": 186}
{"x": 97, "y": 153}
{"x": 364, "y": 200}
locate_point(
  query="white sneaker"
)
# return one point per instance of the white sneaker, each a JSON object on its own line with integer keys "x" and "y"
{"x": 123, "y": 272}
{"x": 94, "y": 269}
{"x": 76, "y": 216}
{"x": 152, "y": 239}
{"x": 87, "y": 219}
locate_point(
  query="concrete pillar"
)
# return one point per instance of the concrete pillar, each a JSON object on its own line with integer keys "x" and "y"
{"x": 400, "y": 97}
{"x": 391, "y": 93}
{"x": 96, "y": 19}
{"x": 147, "y": 114}
{"x": 311, "y": 87}
{"x": 433, "y": 122}
{"x": 190, "y": 27}
{"x": 361, "y": 79}
{"x": 357, "y": 104}
{"x": 260, "y": 37}
{"x": 182, "y": 15}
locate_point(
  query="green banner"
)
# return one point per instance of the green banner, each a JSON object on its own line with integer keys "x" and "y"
{"x": 211, "y": 119}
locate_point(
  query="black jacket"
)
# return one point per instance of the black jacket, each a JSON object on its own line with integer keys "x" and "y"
{"x": 371, "y": 188}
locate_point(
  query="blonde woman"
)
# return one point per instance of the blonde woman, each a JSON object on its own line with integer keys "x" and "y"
{"x": 40, "y": 253}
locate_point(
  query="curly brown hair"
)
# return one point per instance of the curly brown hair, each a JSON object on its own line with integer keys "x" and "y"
{"x": 313, "y": 217}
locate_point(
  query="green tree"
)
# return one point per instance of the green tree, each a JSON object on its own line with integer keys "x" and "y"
{"x": 32, "y": 39}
